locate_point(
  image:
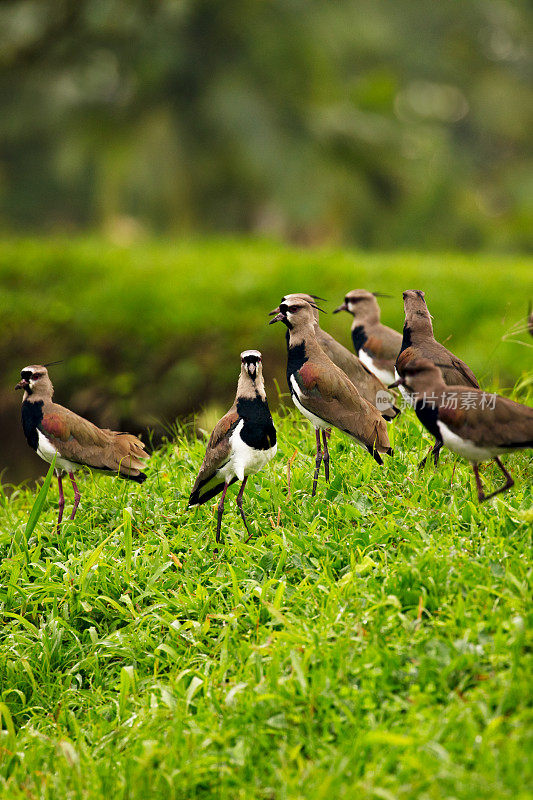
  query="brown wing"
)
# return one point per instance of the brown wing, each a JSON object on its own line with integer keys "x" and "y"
{"x": 508, "y": 425}
{"x": 82, "y": 442}
{"x": 454, "y": 371}
{"x": 329, "y": 394}
{"x": 383, "y": 344}
{"x": 366, "y": 383}
{"x": 217, "y": 454}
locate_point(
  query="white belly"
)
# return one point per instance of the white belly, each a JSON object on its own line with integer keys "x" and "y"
{"x": 296, "y": 395}
{"x": 244, "y": 460}
{"x": 465, "y": 447}
{"x": 47, "y": 451}
{"x": 386, "y": 376}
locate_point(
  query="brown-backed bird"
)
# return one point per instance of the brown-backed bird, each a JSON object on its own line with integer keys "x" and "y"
{"x": 52, "y": 430}
{"x": 367, "y": 384}
{"x": 376, "y": 345}
{"x": 323, "y": 393}
{"x": 241, "y": 443}
{"x": 476, "y": 425}
{"x": 419, "y": 342}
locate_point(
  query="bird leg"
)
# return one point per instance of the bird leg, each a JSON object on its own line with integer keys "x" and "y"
{"x": 318, "y": 461}
{"x": 238, "y": 500}
{"x": 479, "y": 485}
{"x": 507, "y": 485}
{"x": 435, "y": 452}
{"x": 221, "y": 511}
{"x": 77, "y": 495}
{"x": 326, "y": 455}
{"x": 61, "y": 502}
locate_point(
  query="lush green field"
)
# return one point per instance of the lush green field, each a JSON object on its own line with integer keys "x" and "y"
{"x": 371, "y": 643}
{"x": 154, "y": 331}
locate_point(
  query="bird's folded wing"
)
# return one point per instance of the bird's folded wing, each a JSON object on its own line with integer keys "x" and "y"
{"x": 506, "y": 424}
{"x": 81, "y": 442}
{"x": 384, "y": 348}
{"x": 218, "y": 447}
{"x": 330, "y": 395}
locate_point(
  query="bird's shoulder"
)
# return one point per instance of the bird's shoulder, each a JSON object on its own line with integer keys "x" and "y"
{"x": 65, "y": 425}
{"x": 224, "y": 427}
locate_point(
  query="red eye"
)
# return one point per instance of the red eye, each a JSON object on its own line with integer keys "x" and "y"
{"x": 293, "y": 309}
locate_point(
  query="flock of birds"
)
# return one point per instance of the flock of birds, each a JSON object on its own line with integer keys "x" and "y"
{"x": 331, "y": 386}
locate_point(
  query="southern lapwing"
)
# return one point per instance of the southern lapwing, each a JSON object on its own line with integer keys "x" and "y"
{"x": 241, "y": 443}
{"x": 52, "y": 430}
{"x": 376, "y": 345}
{"x": 474, "y": 424}
{"x": 419, "y": 342}
{"x": 367, "y": 384}
{"x": 322, "y": 391}
{"x": 530, "y": 318}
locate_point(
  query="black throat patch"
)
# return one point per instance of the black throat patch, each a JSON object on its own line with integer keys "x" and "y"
{"x": 296, "y": 358}
{"x": 258, "y": 430}
{"x": 359, "y": 337}
{"x": 407, "y": 338}
{"x": 428, "y": 415}
{"x": 32, "y": 414}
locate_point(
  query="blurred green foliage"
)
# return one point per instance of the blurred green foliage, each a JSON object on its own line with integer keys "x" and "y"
{"x": 377, "y": 122}
{"x": 154, "y": 331}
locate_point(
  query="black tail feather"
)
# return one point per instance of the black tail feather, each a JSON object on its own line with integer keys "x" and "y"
{"x": 198, "y": 498}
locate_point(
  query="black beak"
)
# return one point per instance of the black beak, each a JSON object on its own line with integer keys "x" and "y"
{"x": 342, "y": 307}
{"x": 23, "y": 384}
{"x": 278, "y": 318}
{"x": 274, "y": 311}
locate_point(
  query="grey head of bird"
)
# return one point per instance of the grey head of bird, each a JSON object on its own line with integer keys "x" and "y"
{"x": 421, "y": 376}
{"x": 309, "y": 298}
{"x": 296, "y": 313}
{"x": 35, "y": 382}
{"x": 361, "y": 304}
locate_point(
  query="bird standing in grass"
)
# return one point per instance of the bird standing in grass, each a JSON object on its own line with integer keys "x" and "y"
{"x": 476, "y": 425}
{"x": 419, "y": 342}
{"x": 367, "y": 384}
{"x": 376, "y": 344}
{"x": 241, "y": 443}
{"x": 52, "y": 430}
{"x": 323, "y": 393}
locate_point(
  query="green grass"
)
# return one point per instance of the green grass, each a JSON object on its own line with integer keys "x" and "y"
{"x": 371, "y": 643}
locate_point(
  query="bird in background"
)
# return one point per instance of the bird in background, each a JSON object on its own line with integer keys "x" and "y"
{"x": 241, "y": 443}
{"x": 367, "y": 384}
{"x": 322, "y": 391}
{"x": 375, "y": 344}
{"x": 419, "y": 342}
{"x": 474, "y": 424}
{"x": 52, "y": 430}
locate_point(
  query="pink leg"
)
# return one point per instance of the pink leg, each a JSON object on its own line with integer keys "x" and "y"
{"x": 76, "y": 495}
{"x": 61, "y": 503}
{"x": 326, "y": 455}
{"x": 318, "y": 460}
{"x": 221, "y": 511}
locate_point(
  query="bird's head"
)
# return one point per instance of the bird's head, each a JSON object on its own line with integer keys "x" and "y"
{"x": 360, "y": 303}
{"x": 251, "y": 364}
{"x": 35, "y": 381}
{"x": 295, "y": 312}
{"x": 419, "y": 376}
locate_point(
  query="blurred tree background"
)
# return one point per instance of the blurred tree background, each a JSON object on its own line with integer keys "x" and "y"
{"x": 170, "y": 168}
{"x": 380, "y": 123}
